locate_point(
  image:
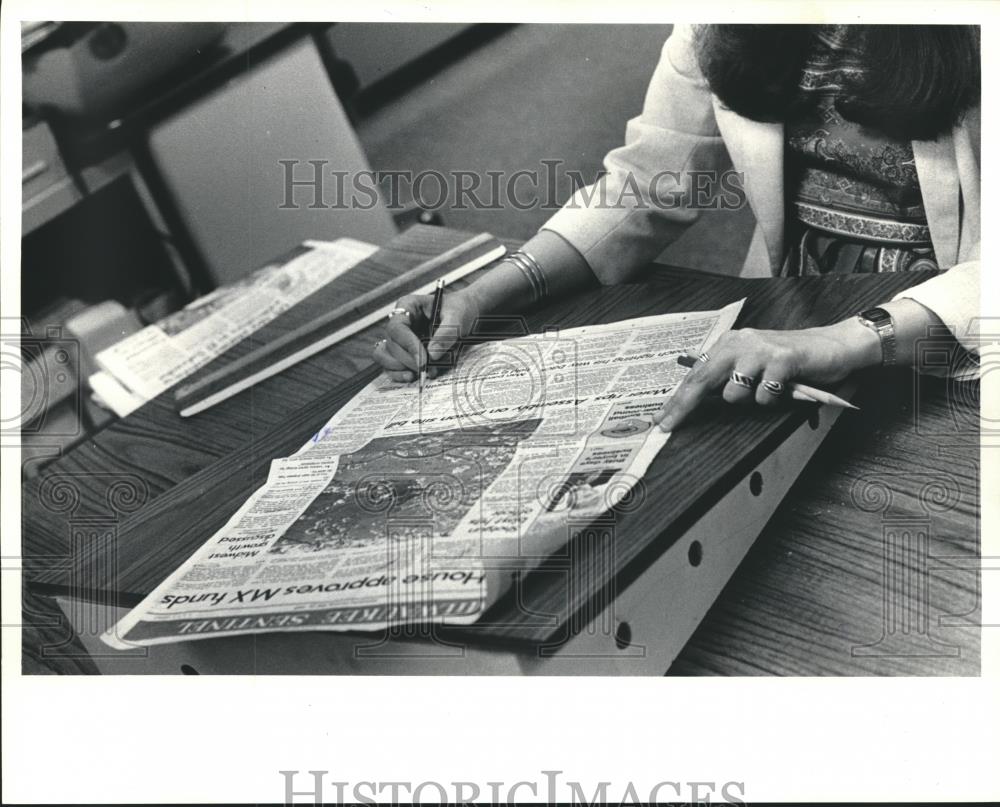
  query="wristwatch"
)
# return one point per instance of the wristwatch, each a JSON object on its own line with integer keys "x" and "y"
{"x": 880, "y": 321}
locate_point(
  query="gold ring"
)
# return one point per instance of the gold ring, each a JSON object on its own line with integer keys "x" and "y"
{"x": 773, "y": 387}
{"x": 399, "y": 311}
{"x": 741, "y": 380}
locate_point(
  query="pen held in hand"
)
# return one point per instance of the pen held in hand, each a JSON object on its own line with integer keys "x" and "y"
{"x": 435, "y": 321}
{"x": 799, "y": 392}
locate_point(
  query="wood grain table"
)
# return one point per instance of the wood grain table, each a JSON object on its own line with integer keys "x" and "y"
{"x": 868, "y": 567}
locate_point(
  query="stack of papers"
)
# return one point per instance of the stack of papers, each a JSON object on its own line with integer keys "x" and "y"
{"x": 139, "y": 368}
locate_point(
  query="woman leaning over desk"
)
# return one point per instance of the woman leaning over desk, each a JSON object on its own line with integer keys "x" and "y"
{"x": 859, "y": 150}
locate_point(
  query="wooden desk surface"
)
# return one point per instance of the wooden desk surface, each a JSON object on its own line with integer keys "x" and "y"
{"x": 807, "y": 597}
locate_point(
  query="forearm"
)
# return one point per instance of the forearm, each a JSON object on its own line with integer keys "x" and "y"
{"x": 506, "y": 289}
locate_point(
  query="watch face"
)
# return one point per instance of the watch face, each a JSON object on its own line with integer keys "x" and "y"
{"x": 876, "y": 315}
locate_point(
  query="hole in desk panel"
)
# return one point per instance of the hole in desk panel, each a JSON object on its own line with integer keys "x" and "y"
{"x": 187, "y": 669}
{"x": 623, "y": 635}
{"x": 756, "y": 483}
{"x": 695, "y": 553}
{"x": 814, "y": 419}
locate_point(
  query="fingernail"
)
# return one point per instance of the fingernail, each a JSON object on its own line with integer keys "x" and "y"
{"x": 667, "y": 424}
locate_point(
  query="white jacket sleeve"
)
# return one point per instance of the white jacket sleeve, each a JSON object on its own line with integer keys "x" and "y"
{"x": 645, "y": 199}
{"x": 954, "y": 297}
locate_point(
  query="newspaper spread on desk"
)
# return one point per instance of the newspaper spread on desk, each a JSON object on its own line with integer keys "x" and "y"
{"x": 414, "y": 506}
{"x": 145, "y": 364}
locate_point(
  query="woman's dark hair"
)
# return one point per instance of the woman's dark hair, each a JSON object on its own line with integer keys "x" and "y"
{"x": 917, "y": 82}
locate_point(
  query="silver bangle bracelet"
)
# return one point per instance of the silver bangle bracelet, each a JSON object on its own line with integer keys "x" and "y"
{"x": 532, "y": 272}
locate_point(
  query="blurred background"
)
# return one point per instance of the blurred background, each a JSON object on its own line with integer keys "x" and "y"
{"x": 151, "y": 153}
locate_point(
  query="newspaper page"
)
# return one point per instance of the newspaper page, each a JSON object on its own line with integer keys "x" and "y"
{"x": 418, "y": 506}
{"x": 145, "y": 364}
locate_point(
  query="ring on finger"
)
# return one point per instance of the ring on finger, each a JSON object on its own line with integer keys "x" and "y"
{"x": 773, "y": 387}
{"x": 398, "y": 312}
{"x": 379, "y": 343}
{"x": 740, "y": 380}
{"x": 703, "y": 358}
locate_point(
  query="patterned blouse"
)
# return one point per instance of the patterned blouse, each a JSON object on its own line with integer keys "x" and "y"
{"x": 854, "y": 196}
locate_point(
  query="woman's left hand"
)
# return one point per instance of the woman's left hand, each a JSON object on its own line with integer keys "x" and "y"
{"x": 755, "y": 366}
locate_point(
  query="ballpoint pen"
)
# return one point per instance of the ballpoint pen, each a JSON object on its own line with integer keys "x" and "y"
{"x": 800, "y": 392}
{"x": 432, "y": 327}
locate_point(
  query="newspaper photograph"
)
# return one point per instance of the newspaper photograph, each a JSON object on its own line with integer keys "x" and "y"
{"x": 146, "y": 363}
{"x": 418, "y": 505}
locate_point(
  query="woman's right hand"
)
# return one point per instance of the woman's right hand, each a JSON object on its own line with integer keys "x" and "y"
{"x": 401, "y": 352}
